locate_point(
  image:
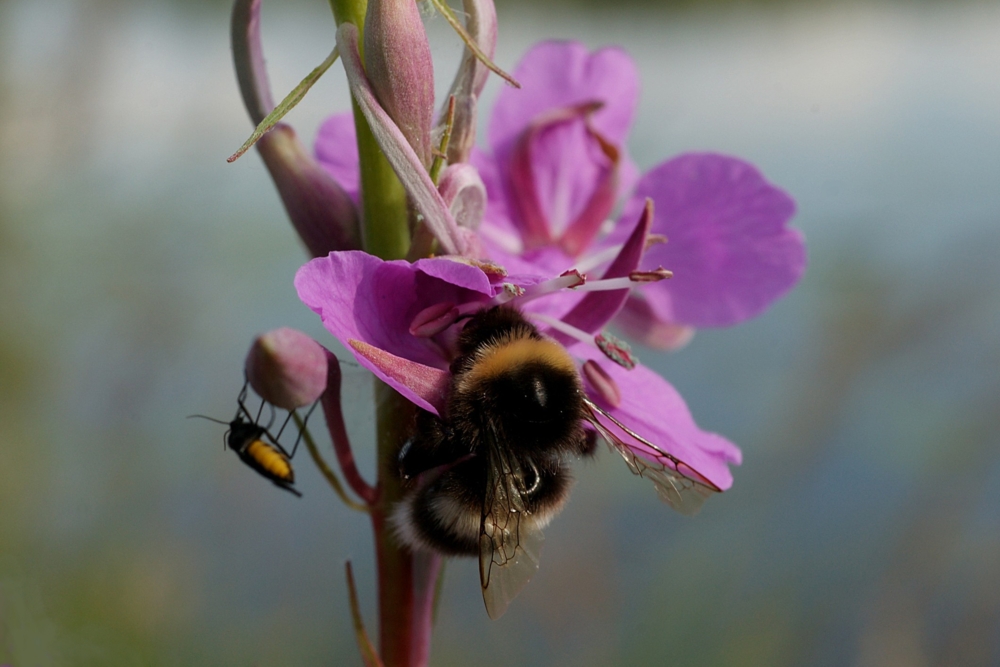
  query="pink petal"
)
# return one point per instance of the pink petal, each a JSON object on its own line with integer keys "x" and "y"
{"x": 360, "y": 297}
{"x": 336, "y": 149}
{"x": 597, "y": 308}
{"x": 653, "y": 409}
{"x": 424, "y": 386}
{"x": 457, "y": 273}
{"x": 729, "y": 245}
{"x": 637, "y": 321}
{"x": 555, "y": 75}
{"x": 562, "y": 178}
{"x": 499, "y": 235}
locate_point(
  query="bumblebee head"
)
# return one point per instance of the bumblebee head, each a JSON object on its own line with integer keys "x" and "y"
{"x": 528, "y": 389}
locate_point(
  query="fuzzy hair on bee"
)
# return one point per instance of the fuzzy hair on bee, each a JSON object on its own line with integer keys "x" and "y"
{"x": 490, "y": 473}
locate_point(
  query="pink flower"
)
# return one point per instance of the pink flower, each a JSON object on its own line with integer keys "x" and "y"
{"x": 557, "y": 170}
{"x": 401, "y": 320}
{"x": 558, "y": 167}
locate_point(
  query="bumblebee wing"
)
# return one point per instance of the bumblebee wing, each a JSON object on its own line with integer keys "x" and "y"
{"x": 678, "y": 484}
{"x": 509, "y": 541}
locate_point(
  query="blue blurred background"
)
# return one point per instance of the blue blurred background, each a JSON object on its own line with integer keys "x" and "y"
{"x": 136, "y": 266}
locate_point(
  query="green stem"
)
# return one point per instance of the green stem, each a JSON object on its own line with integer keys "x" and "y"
{"x": 386, "y": 232}
{"x": 404, "y": 626}
{"x": 326, "y": 470}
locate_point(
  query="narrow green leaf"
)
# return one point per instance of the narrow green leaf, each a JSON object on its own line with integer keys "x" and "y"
{"x": 449, "y": 16}
{"x": 286, "y": 104}
{"x": 368, "y": 653}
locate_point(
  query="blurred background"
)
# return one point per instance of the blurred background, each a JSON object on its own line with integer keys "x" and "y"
{"x": 136, "y": 266}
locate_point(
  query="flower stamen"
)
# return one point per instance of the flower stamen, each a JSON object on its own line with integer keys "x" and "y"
{"x": 654, "y": 239}
{"x": 654, "y": 276}
{"x": 603, "y": 384}
{"x": 434, "y": 319}
{"x": 613, "y": 348}
{"x": 567, "y": 280}
{"x": 616, "y": 350}
{"x": 597, "y": 259}
{"x": 560, "y": 326}
{"x": 625, "y": 282}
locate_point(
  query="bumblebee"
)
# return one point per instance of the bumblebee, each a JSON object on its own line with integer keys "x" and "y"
{"x": 491, "y": 473}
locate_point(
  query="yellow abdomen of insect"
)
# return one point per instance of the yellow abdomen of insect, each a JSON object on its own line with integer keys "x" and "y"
{"x": 271, "y": 460}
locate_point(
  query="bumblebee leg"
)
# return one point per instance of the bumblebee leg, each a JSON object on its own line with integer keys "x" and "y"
{"x": 588, "y": 444}
{"x": 433, "y": 446}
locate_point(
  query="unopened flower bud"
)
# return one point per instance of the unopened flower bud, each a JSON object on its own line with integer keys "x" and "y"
{"x": 287, "y": 368}
{"x": 465, "y": 194}
{"x": 321, "y": 211}
{"x": 398, "y": 62}
{"x": 481, "y": 24}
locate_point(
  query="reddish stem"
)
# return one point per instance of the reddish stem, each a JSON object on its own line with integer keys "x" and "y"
{"x": 338, "y": 432}
{"x": 406, "y": 581}
{"x": 426, "y": 569}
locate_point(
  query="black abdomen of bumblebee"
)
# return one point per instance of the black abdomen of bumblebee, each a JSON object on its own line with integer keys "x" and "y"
{"x": 515, "y": 397}
{"x": 446, "y": 515}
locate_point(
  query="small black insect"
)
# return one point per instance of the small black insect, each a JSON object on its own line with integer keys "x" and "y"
{"x": 258, "y": 448}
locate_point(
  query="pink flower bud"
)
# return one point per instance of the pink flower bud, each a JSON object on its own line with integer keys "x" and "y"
{"x": 321, "y": 211}
{"x": 287, "y": 368}
{"x": 398, "y": 62}
{"x": 481, "y": 24}
{"x": 465, "y": 194}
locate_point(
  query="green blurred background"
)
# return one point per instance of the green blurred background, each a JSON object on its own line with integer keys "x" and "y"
{"x": 136, "y": 266}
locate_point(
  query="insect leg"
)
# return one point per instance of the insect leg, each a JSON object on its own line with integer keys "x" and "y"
{"x": 302, "y": 430}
